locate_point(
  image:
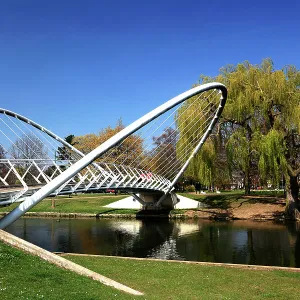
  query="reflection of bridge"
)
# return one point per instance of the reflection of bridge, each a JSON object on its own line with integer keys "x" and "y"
{"x": 36, "y": 163}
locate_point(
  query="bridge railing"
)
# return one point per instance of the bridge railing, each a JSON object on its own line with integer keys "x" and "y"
{"x": 22, "y": 176}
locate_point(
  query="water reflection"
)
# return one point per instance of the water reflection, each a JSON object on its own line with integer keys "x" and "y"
{"x": 245, "y": 242}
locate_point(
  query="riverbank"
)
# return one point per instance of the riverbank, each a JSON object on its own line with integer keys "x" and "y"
{"x": 236, "y": 206}
{"x": 228, "y": 206}
{"x": 26, "y": 276}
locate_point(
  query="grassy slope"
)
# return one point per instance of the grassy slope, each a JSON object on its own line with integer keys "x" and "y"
{"x": 23, "y": 276}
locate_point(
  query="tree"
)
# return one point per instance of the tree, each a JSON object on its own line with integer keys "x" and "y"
{"x": 261, "y": 124}
{"x": 2, "y": 152}
{"x": 29, "y": 147}
{"x": 241, "y": 127}
{"x": 163, "y": 159}
{"x": 3, "y": 167}
{"x": 63, "y": 152}
{"x": 280, "y": 145}
{"x": 125, "y": 152}
{"x": 192, "y": 121}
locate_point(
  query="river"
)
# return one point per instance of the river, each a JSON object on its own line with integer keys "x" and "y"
{"x": 239, "y": 242}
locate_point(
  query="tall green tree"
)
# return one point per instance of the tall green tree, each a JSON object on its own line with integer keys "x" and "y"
{"x": 64, "y": 153}
{"x": 261, "y": 124}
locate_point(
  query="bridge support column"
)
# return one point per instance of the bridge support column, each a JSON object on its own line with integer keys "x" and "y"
{"x": 158, "y": 201}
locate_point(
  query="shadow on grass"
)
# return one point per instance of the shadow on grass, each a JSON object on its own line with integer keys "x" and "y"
{"x": 116, "y": 211}
{"x": 224, "y": 215}
{"x": 219, "y": 201}
{"x": 225, "y": 201}
{"x": 105, "y": 212}
{"x": 263, "y": 200}
{"x": 277, "y": 215}
{"x": 228, "y": 215}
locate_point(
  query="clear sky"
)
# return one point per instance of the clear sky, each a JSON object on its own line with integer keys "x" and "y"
{"x": 78, "y": 66}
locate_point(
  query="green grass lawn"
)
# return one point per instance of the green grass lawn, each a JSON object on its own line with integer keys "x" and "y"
{"x": 216, "y": 200}
{"x": 23, "y": 276}
{"x": 169, "y": 280}
{"x": 234, "y": 198}
{"x": 83, "y": 203}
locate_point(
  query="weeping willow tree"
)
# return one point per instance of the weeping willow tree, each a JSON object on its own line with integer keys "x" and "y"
{"x": 192, "y": 120}
{"x": 260, "y": 126}
{"x": 272, "y": 161}
{"x": 239, "y": 149}
{"x": 270, "y": 122}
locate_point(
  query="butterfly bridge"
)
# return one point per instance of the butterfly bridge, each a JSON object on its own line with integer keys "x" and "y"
{"x": 145, "y": 159}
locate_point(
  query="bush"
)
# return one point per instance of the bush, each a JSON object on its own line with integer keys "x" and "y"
{"x": 190, "y": 188}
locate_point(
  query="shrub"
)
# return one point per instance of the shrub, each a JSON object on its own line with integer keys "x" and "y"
{"x": 190, "y": 188}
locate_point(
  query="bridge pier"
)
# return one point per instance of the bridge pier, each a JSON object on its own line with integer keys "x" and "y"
{"x": 157, "y": 200}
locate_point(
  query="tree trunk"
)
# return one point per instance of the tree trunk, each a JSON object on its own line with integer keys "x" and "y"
{"x": 247, "y": 180}
{"x": 292, "y": 198}
{"x": 53, "y": 202}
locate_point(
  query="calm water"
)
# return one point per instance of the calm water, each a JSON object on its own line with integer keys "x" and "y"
{"x": 245, "y": 242}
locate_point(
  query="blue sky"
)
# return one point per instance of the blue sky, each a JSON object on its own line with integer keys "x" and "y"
{"x": 78, "y": 66}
